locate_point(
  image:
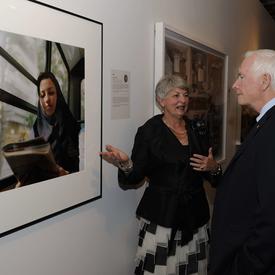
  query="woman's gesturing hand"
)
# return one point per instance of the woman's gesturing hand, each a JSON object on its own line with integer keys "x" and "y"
{"x": 204, "y": 163}
{"x": 114, "y": 156}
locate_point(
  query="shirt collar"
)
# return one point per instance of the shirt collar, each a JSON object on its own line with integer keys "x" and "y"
{"x": 266, "y": 107}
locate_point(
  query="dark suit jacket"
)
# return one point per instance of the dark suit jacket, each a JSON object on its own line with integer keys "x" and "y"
{"x": 175, "y": 196}
{"x": 243, "y": 227}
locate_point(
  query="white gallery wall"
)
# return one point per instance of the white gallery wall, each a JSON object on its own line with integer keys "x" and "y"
{"x": 100, "y": 238}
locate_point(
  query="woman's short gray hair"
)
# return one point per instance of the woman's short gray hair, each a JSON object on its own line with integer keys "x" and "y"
{"x": 169, "y": 82}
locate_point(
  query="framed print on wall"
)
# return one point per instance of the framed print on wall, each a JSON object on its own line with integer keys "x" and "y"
{"x": 36, "y": 38}
{"x": 205, "y": 71}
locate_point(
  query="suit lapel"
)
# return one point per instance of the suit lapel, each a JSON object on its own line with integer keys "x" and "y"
{"x": 243, "y": 146}
{"x": 253, "y": 132}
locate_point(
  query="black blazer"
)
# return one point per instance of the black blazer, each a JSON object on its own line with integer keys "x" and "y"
{"x": 175, "y": 196}
{"x": 243, "y": 227}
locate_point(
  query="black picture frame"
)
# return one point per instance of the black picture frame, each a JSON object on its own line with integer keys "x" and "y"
{"x": 25, "y": 206}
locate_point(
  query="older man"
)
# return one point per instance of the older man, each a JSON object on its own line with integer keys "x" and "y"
{"x": 243, "y": 227}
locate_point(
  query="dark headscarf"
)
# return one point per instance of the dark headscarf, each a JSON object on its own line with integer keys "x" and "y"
{"x": 60, "y": 129}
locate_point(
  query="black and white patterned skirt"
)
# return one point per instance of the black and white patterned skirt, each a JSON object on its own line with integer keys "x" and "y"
{"x": 154, "y": 257}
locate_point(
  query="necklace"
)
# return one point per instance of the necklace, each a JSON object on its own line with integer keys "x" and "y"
{"x": 181, "y": 131}
{"x": 181, "y": 135}
{"x": 177, "y": 133}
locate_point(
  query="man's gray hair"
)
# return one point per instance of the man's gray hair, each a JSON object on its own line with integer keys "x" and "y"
{"x": 264, "y": 63}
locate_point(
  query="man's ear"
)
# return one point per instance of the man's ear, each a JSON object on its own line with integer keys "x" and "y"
{"x": 266, "y": 81}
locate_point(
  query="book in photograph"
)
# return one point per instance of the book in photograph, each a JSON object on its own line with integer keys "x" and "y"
{"x": 31, "y": 161}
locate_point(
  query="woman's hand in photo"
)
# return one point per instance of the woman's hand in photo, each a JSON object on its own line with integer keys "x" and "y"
{"x": 61, "y": 171}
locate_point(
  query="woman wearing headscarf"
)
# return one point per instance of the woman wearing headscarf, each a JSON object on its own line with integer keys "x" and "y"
{"x": 56, "y": 124}
{"x": 173, "y": 154}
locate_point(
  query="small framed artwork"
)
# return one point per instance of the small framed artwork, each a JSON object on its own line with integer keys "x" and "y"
{"x": 50, "y": 112}
{"x": 205, "y": 71}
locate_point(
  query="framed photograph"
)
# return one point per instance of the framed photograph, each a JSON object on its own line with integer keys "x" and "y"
{"x": 50, "y": 112}
{"x": 205, "y": 70}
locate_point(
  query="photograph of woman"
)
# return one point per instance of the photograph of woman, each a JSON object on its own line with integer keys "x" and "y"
{"x": 173, "y": 155}
{"x": 56, "y": 124}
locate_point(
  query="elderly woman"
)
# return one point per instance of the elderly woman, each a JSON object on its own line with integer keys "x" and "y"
{"x": 56, "y": 124}
{"x": 172, "y": 152}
